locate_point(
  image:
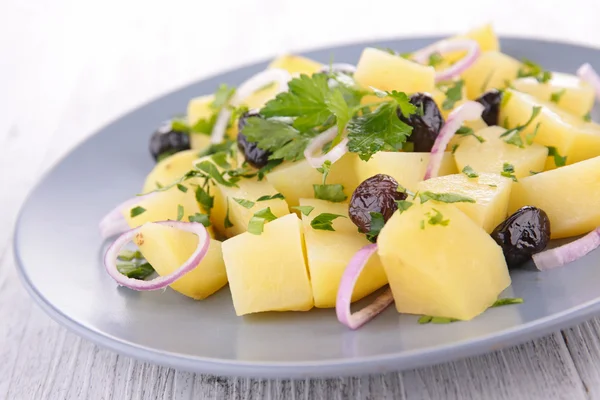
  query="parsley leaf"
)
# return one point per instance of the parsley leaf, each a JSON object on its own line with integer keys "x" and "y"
{"x": 534, "y": 70}
{"x": 425, "y": 319}
{"x": 135, "y": 270}
{"x": 516, "y": 131}
{"x": 437, "y": 218}
{"x": 129, "y": 255}
{"x": 377, "y": 223}
{"x": 258, "y": 220}
{"x": 507, "y": 301}
{"x": 324, "y": 221}
{"x": 337, "y": 105}
{"x": 182, "y": 188}
{"x": 227, "y": 222}
{"x": 505, "y": 98}
{"x": 508, "y": 170}
{"x": 470, "y": 172}
{"x": 179, "y": 125}
{"x": 205, "y": 200}
{"x": 558, "y": 160}
{"x": 220, "y": 159}
{"x": 213, "y": 172}
{"x": 333, "y": 192}
{"x": 201, "y": 218}
{"x": 435, "y": 59}
{"x": 587, "y": 117}
{"x": 305, "y": 210}
{"x": 444, "y": 197}
{"x": 244, "y": 203}
{"x": 455, "y": 147}
{"x": 403, "y": 205}
{"x": 530, "y": 137}
{"x": 135, "y": 211}
{"x": 466, "y": 131}
{"x": 453, "y": 95}
{"x": 555, "y": 97}
{"x": 179, "y": 212}
{"x": 273, "y": 197}
{"x": 324, "y": 169}
{"x": 222, "y": 96}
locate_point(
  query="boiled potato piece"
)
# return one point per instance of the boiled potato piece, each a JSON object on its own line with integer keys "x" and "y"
{"x": 454, "y": 271}
{"x": 296, "y": 65}
{"x": 569, "y": 195}
{"x": 385, "y": 71}
{"x": 572, "y": 136}
{"x": 167, "y": 248}
{"x": 295, "y": 180}
{"x": 406, "y": 168}
{"x": 268, "y": 272}
{"x": 491, "y": 155}
{"x": 247, "y": 189}
{"x": 491, "y": 193}
{"x": 328, "y": 254}
{"x": 169, "y": 169}
{"x": 199, "y": 108}
{"x": 568, "y": 91}
{"x": 491, "y": 70}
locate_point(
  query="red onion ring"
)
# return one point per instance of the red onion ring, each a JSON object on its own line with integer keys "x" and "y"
{"x": 344, "y": 295}
{"x": 467, "y": 111}
{"x": 272, "y": 75}
{"x": 587, "y": 74}
{"x": 114, "y": 223}
{"x": 317, "y": 144}
{"x": 567, "y": 253}
{"x": 161, "y": 282}
{"x": 446, "y": 46}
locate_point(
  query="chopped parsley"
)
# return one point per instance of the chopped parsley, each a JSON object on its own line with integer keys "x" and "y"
{"x": 305, "y": 210}
{"x": 227, "y": 222}
{"x": 222, "y": 96}
{"x": 454, "y": 93}
{"x": 437, "y": 218}
{"x": 220, "y": 159}
{"x": 470, "y": 172}
{"x": 403, "y": 205}
{"x": 531, "y": 69}
{"x": 466, "y": 131}
{"x": 324, "y": 221}
{"x": 435, "y": 59}
{"x": 587, "y": 117}
{"x": 324, "y": 169}
{"x": 444, "y": 197}
{"x": 555, "y": 97}
{"x": 530, "y": 137}
{"x": 377, "y": 223}
{"x": 205, "y": 200}
{"x": 507, "y": 301}
{"x": 135, "y": 270}
{"x": 135, "y": 211}
{"x": 534, "y": 172}
{"x": 508, "y": 171}
{"x": 212, "y": 171}
{"x": 180, "y": 125}
{"x": 201, "y": 218}
{"x": 559, "y": 161}
{"x": 454, "y": 147}
{"x": 505, "y": 98}
{"x": 258, "y": 220}
{"x": 129, "y": 255}
{"x": 513, "y": 136}
{"x": 273, "y": 197}
{"x": 330, "y": 192}
{"x": 179, "y": 212}
{"x": 244, "y": 203}
{"x": 182, "y": 188}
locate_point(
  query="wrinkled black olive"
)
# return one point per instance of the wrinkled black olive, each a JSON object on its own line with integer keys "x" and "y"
{"x": 426, "y": 122}
{"x": 253, "y": 154}
{"x": 379, "y": 194}
{"x": 523, "y": 234}
{"x": 166, "y": 141}
{"x": 490, "y": 101}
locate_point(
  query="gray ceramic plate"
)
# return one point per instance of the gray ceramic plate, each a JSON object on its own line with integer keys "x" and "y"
{"x": 58, "y": 249}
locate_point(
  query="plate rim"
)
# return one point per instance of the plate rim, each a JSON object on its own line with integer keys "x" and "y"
{"x": 302, "y": 369}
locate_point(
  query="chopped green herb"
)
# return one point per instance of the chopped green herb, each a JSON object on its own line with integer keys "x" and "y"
{"x": 182, "y": 188}
{"x": 135, "y": 270}
{"x": 466, "y": 131}
{"x": 222, "y": 96}
{"x": 437, "y": 218}
{"x": 443, "y": 320}
{"x": 201, "y": 218}
{"x": 273, "y": 197}
{"x": 530, "y": 137}
{"x": 324, "y": 221}
{"x": 337, "y": 105}
{"x": 514, "y": 139}
{"x": 470, "y": 172}
{"x": 507, "y": 301}
{"x": 492, "y": 186}
{"x": 454, "y": 147}
{"x": 487, "y": 80}
{"x": 129, "y": 255}
{"x": 158, "y": 185}
{"x": 534, "y": 70}
{"x": 453, "y": 95}
{"x": 403, "y": 205}
{"x": 220, "y": 159}
{"x": 587, "y": 117}
{"x": 534, "y": 172}
{"x": 179, "y": 125}
{"x": 179, "y": 212}
{"x": 422, "y": 224}
{"x": 135, "y": 211}
{"x": 377, "y": 223}
{"x": 227, "y": 222}
{"x": 510, "y": 134}
{"x": 444, "y": 197}
{"x": 258, "y": 220}
{"x": 266, "y": 213}
{"x": 305, "y": 210}
{"x": 505, "y": 98}
{"x": 205, "y": 200}
{"x": 244, "y": 203}
{"x": 204, "y": 126}
{"x": 555, "y": 97}
{"x": 324, "y": 169}
{"x": 508, "y": 170}
{"x": 559, "y": 161}
{"x": 333, "y": 192}
{"x": 425, "y": 319}
{"x": 164, "y": 155}
{"x": 212, "y": 171}
{"x": 435, "y": 59}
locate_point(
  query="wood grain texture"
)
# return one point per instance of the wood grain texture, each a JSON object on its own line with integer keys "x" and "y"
{"x": 94, "y": 61}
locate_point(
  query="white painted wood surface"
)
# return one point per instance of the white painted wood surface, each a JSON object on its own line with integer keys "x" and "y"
{"x": 67, "y": 67}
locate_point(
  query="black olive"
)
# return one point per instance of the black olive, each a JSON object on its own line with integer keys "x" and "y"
{"x": 490, "y": 101}
{"x": 523, "y": 234}
{"x": 166, "y": 141}
{"x": 426, "y": 122}
{"x": 379, "y": 194}
{"x": 253, "y": 154}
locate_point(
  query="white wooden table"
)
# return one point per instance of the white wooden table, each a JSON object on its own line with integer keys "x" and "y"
{"x": 68, "y": 67}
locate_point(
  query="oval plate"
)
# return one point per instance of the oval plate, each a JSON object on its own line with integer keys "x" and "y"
{"x": 58, "y": 250}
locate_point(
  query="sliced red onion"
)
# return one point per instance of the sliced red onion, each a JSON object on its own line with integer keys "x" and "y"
{"x": 272, "y": 75}
{"x": 446, "y": 46}
{"x": 587, "y": 74}
{"x": 110, "y": 258}
{"x": 467, "y": 111}
{"x": 344, "y": 295}
{"x": 344, "y": 68}
{"x": 114, "y": 223}
{"x": 316, "y": 145}
{"x": 567, "y": 253}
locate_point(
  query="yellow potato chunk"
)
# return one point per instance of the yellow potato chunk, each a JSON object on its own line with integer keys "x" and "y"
{"x": 572, "y": 136}
{"x": 406, "y": 168}
{"x": 199, "y": 108}
{"x": 491, "y": 193}
{"x": 454, "y": 271}
{"x": 268, "y": 272}
{"x": 491, "y": 155}
{"x": 569, "y": 195}
{"x": 167, "y": 248}
{"x": 296, "y": 65}
{"x": 491, "y": 70}
{"x": 328, "y": 254}
{"x": 169, "y": 169}
{"x": 295, "y": 180}
{"x": 568, "y": 91}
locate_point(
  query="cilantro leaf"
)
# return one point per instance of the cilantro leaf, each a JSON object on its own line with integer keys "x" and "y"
{"x": 453, "y": 95}
{"x": 135, "y": 211}
{"x": 222, "y": 96}
{"x": 273, "y": 197}
{"x": 377, "y": 223}
{"x": 559, "y": 161}
{"x": 531, "y": 69}
{"x": 444, "y": 197}
{"x": 555, "y": 97}
{"x": 324, "y": 221}
{"x": 466, "y": 131}
{"x": 244, "y": 203}
{"x": 179, "y": 212}
{"x": 201, "y": 218}
{"x": 508, "y": 170}
{"x": 135, "y": 270}
{"x": 334, "y": 192}
{"x": 470, "y": 172}
{"x": 305, "y": 210}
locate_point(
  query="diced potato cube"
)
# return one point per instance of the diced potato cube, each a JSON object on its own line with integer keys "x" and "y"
{"x": 454, "y": 271}
{"x": 569, "y": 195}
{"x": 268, "y": 272}
{"x": 167, "y": 248}
{"x": 491, "y": 155}
{"x": 491, "y": 70}
{"x": 295, "y": 180}
{"x": 572, "y": 136}
{"x": 571, "y": 93}
{"x": 491, "y": 193}
{"x": 247, "y": 189}
{"x": 328, "y": 254}
{"x": 296, "y": 65}
{"x": 169, "y": 169}
{"x": 406, "y": 168}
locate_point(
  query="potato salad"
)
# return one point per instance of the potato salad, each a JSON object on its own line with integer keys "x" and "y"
{"x": 423, "y": 178}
